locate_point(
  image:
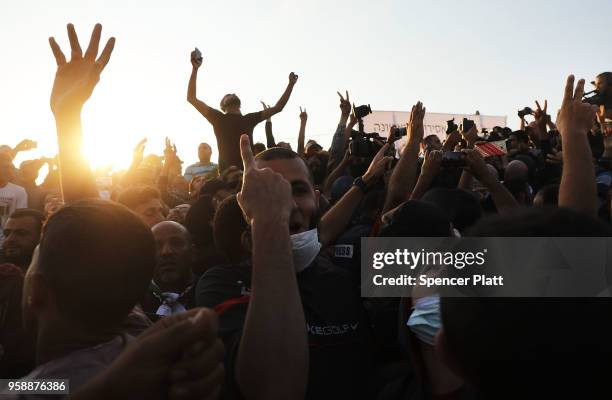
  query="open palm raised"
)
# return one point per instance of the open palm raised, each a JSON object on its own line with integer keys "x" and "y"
{"x": 75, "y": 80}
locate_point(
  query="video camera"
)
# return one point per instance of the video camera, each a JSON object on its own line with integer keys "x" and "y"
{"x": 397, "y": 133}
{"x": 451, "y": 126}
{"x": 362, "y": 111}
{"x": 467, "y": 124}
{"x": 364, "y": 144}
{"x": 525, "y": 111}
{"x": 453, "y": 159}
{"x": 597, "y": 99}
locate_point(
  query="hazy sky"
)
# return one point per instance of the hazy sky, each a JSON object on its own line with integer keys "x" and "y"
{"x": 455, "y": 56}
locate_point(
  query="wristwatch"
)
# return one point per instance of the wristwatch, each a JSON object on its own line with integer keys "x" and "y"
{"x": 360, "y": 184}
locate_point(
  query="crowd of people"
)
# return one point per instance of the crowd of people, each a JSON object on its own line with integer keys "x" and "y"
{"x": 242, "y": 279}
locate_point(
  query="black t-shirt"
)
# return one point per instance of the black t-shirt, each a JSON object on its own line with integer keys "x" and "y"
{"x": 228, "y": 128}
{"x": 338, "y": 330}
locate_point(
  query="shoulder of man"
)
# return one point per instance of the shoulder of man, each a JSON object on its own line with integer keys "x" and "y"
{"x": 223, "y": 283}
{"x": 82, "y": 365}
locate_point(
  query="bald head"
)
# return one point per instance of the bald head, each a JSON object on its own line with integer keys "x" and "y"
{"x": 175, "y": 257}
{"x": 170, "y": 227}
{"x": 516, "y": 171}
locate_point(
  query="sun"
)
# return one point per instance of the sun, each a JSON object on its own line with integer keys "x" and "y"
{"x": 103, "y": 153}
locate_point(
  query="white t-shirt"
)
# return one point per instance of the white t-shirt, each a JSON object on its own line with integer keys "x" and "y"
{"x": 12, "y": 197}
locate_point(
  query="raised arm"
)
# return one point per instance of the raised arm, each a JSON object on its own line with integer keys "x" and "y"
{"x": 578, "y": 189}
{"x": 335, "y": 221}
{"x": 280, "y": 104}
{"x": 270, "y": 142}
{"x": 24, "y": 145}
{"x": 429, "y": 171}
{"x": 404, "y": 174}
{"x": 476, "y": 166}
{"x": 208, "y": 112}
{"x": 338, "y": 145}
{"x": 302, "y": 133}
{"x": 137, "y": 157}
{"x": 74, "y": 83}
{"x": 339, "y": 171}
{"x": 271, "y": 363}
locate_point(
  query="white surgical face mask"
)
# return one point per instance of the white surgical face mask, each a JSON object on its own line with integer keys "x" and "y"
{"x": 305, "y": 247}
{"x": 425, "y": 320}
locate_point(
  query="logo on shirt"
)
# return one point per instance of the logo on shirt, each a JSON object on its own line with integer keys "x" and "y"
{"x": 343, "y": 251}
{"x": 332, "y": 329}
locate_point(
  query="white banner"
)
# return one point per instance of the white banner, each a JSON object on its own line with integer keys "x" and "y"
{"x": 434, "y": 123}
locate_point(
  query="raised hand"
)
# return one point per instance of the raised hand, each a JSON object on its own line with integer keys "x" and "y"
{"x": 540, "y": 114}
{"x": 477, "y": 166}
{"x": 75, "y": 80}
{"x": 556, "y": 157}
{"x": 471, "y": 136}
{"x": 303, "y": 115}
{"x": 196, "y": 58}
{"x": 432, "y": 163}
{"x": 170, "y": 156}
{"x": 378, "y": 166}
{"x": 575, "y": 117}
{"x": 415, "y": 123}
{"x": 345, "y": 104}
{"x": 293, "y": 78}
{"x": 25, "y": 145}
{"x": 352, "y": 121}
{"x": 267, "y": 107}
{"x": 138, "y": 153}
{"x": 265, "y": 194}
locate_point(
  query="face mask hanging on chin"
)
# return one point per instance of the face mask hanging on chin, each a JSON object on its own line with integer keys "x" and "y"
{"x": 305, "y": 247}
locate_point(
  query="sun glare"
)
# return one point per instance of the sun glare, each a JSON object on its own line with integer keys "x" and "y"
{"x": 106, "y": 153}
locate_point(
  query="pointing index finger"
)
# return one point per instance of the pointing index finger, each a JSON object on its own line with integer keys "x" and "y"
{"x": 246, "y": 153}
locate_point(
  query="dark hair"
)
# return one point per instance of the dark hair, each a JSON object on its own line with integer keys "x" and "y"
{"x": 541, "y": 222}
{"x": 36, "y": 215}
{"x": 606, "y": 75}
{"x": 134, "y": 196}
{"x": 259, "y": 147}
{"x": 197, "y": 220}
{"x": 211, "y": 186}
{"x": 497, "y": 342}
{"x": 98, "y": 258}
{"x": 462, "y": 208}
{"x": 277, "y": 153}
{"x": 281, "y": 153}
{"x": 415, "y": 219}
{"x": 427, "y": 139}
{"x": 223, "y": 105}
{"x": 228, "y": 226}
